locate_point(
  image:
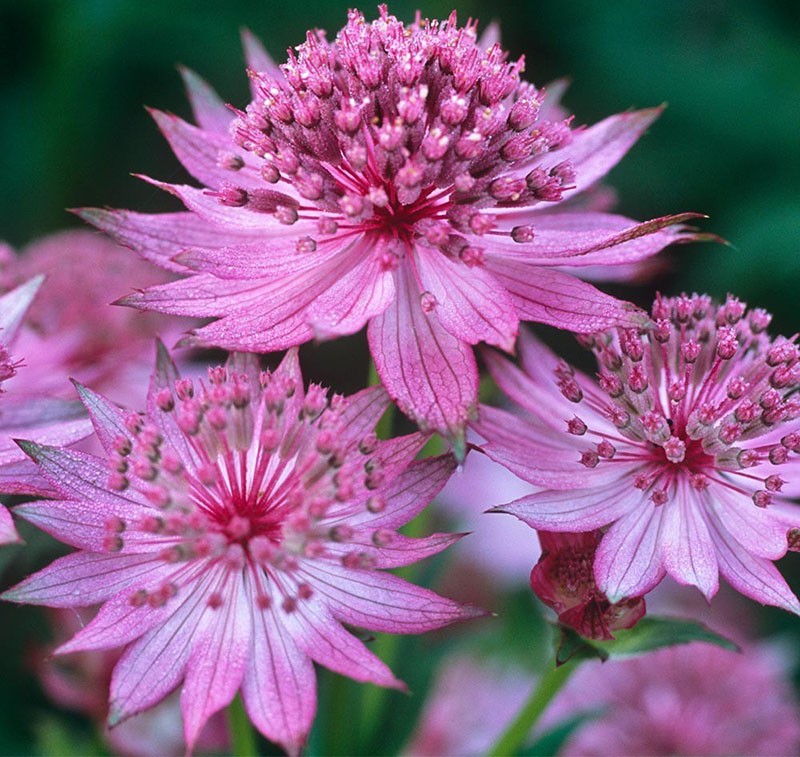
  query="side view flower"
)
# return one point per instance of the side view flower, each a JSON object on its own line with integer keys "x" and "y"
{"x": 684, "y": 451}
{"x": 24, "y": 411}
{"x": 399, "y": 177}
{"x": 231, "y": 531}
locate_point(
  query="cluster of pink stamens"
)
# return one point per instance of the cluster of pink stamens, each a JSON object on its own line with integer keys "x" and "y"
{"x": 702, "y": 395}
{"x": 254, "y": 474}
{"x": 8, "y": 366}
{"x": 407, "y": 133}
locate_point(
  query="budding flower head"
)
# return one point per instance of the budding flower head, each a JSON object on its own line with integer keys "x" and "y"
{"x": 211, "y": 545}
{"x": 701, "y": 413}
{"x": 399, "y": 176}
{"x": 564, "y": 580}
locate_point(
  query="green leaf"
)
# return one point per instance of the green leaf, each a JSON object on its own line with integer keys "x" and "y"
{"x": 648, "y": 634}
{"x": 552, "y": 740}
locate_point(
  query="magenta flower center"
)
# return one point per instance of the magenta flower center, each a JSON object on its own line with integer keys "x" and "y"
{"x": 414, "y": 134}
{"x": 271, "y": 479}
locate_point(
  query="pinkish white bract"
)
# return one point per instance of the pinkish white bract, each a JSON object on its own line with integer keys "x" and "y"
{"x": 231, "y": 532}
{"x": 685, "y": 451}
{"x": 400, "y": 177}
{"x": 26, "y": 411}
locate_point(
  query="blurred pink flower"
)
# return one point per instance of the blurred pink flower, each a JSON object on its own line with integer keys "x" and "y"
{"x": 71, "y": 331}
{"x": 564, "y": 580}
{"x": 25, "y": 411}
{"x": 231, "y": 532}
{"x": 694, "y": 700}
{"x": 679, "y": 450}
{"x": 401, "y": 177}
{"x": 499, "y": 552}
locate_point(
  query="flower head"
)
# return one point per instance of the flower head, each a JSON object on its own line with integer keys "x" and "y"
{"x": 564, "y": 580}
{"x": 401, "y": 176}
{"x": 231, "y": 531}
{"x": 685, "y": 448}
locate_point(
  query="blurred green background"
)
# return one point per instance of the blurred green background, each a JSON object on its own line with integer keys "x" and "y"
{"x": 75, "y": 75}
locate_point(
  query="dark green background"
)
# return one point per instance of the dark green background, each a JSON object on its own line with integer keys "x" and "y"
{"x": 75, "y": 75}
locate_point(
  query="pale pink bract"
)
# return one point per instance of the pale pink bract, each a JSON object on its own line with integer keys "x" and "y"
{"x": 230, "y": 533}
{"x": 685, "y": 450}
{"x": 400, "y": 177}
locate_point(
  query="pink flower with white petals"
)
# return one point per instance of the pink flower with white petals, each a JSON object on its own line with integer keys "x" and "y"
{"x": 25, "y": 410}
{"x": 400, "y": 177}
{"x": 685, "y": 449}
{"x": 230, "y": 533}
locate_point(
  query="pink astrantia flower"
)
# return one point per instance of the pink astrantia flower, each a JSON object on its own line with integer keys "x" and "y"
{"x": 231, "y": 532}
{"x": 26, "y": 411}
{"x": 685, "y": 449}
{"x": 564, "y": 580}
{"x": 402, "y": 177}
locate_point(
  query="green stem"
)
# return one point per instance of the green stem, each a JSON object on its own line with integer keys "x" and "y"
{"x": 514, "y": 736}
{"x": 243, "y": 737}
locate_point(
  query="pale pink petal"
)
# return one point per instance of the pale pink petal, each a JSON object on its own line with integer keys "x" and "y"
{"x": 324, "y": 640}
{"x": 209, "y": 209}
{"x": 199, "y": 151}
{"x": 429, "y": 373}
{"x": 536, "y": 453}
{"x": 84, "y": 525}
{"x": 755, "y": 528}
{"x": 83, "y": 578}
{"x": 558, "y": 299}
{"x": 108, "y": 418}
{"x": 78, "y": 476}
{"x": 258, "y": 59}
{"x": 8, "y": 533}
{"x": 398, "y": 551}
{"x": 360, "y": 294}
{"x": 207, "y": 106}
{"x": 470, "y": 304}
{"x": 14, "y": 305}
{"x": 279, "y": 686}
{"x": 152, "y": 666}
{"x": 594, "y": 151}
{"x": 687, "y": 548}
{"x": 628, "y": 562}
{"x": 578, "y": 509}
{"x": 275, "y": 256}
{"x": 591, "y": 239}
{"x": 218, "y": 661}
{"x": 409, "y": 493}
{"x": 536, "y": 391}
{"x": 361, "y": 411}
{"x": 755, "y": 577}
{"x": 381, "y": 601}
{"x": 159, "y": 236}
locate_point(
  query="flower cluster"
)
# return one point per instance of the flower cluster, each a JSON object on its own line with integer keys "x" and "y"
{"x": 402, "y": 178}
